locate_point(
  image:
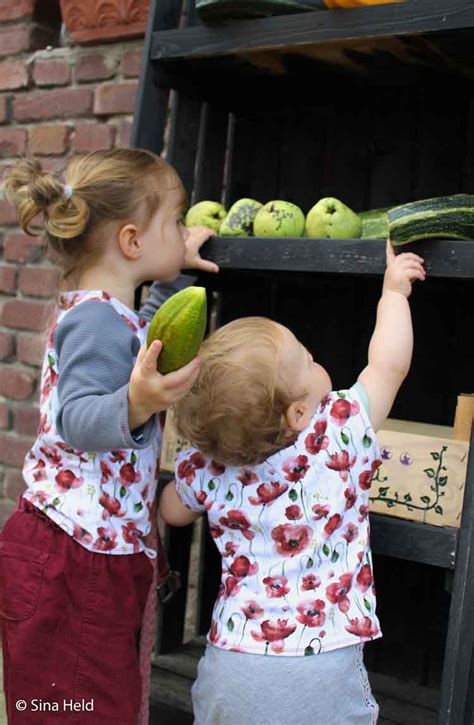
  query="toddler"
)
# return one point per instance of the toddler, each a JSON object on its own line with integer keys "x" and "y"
{"x": 282, "y": 466}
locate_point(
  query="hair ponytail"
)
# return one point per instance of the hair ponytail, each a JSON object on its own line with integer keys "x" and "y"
{"x": 99, "y": 187}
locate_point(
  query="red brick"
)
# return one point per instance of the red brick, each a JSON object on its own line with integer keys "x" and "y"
{"x": 51, "y": 72}
{"x": 38, "y": 281}
{"x": 60, "y": 103}
{"x": 15, "y": 9}
{"x": 131, "y": 63}
{"x": 45, "y": 140}
{"x": 7, "y": 278}
{"x": 4, "y": 416}
{"x": 15, "y": 383}
{"x": 26, "y": 419}
{"x": 7, "y": 345}
{"x": 3, "y": 109}
{"x": 31, "y": 349}
{"x": 12, "y": 142}
{"x": 23, "y": 248}
{"x": 124, "y": 132}
{"x": 14, "y": 448}
{"x": 115, "y": 98}
{"x": 93, "y": 137}
{"x": 7, "y": 214}
{"x": 27, "y": 315}
{"x": 94, "y": 67}
{"x": 14, "y": 39}
{"x": 14, "y": 484}
{"x": 13, "y": 74}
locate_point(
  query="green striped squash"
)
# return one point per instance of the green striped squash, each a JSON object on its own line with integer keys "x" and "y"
{"x": 374, "y": 224}
{"x": 180, "y": 324}
{"x": 446, "y": 217}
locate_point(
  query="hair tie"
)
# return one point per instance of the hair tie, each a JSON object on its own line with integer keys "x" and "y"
{"x": 67, "y": 192}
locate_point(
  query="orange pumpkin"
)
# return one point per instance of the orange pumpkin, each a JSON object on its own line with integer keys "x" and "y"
{"x": 355, "y": 3}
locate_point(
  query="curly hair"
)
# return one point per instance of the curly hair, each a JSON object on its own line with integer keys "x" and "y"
{"x": 235, "y": 411}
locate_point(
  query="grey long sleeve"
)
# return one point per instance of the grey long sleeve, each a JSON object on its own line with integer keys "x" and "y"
{"x": 160, "y": 291}
{"x": 96, "y": 353}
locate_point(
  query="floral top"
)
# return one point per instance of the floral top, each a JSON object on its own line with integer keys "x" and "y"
{"x": 293, "y": 533}
{"x": 103, "y": 500}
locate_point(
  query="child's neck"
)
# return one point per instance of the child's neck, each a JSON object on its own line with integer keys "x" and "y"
{"x": 108, "y": 281}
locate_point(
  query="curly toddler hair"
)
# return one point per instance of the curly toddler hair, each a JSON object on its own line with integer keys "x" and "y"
{"x": 235, "y": 411}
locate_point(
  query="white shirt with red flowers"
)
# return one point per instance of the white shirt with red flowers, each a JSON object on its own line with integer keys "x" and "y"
{"x": 102, "y": 498}
{"x": 293, "y": 533}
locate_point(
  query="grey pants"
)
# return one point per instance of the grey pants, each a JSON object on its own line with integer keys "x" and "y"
{"x": 233, "y": 688}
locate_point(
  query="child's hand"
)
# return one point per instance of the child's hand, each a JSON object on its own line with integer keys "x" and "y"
{"x": 402, "y": 270}
{"x": 149, "y": 391}
{"x": 197, "y": 237}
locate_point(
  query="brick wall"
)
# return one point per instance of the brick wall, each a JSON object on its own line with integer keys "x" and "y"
{"x": 54, "y": 102}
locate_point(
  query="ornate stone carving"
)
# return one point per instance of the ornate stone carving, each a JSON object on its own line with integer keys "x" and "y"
{"x": 92, "y": 21}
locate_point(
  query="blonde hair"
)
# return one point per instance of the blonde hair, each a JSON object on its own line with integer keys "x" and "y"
{"x": 235, "y": 411}
{"x": 99, "y": 187}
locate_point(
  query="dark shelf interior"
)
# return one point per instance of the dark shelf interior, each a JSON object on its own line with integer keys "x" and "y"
{"x": 396, "y": 43}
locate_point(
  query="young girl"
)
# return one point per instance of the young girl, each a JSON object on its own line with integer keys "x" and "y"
{"x": 77, "y": 559}
{"x": 283, "y": 467}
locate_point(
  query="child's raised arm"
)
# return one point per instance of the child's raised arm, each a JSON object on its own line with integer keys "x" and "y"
{"x": 391, "y": 346}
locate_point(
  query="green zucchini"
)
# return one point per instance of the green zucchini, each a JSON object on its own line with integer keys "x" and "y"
{"x": 374, "y": 224}
{"x": 446, "y": 217}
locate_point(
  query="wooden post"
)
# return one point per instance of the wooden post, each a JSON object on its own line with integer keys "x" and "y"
{"x": 464, "y": 417}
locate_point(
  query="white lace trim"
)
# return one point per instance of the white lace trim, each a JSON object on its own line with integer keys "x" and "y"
{"x": 365, "y": 685}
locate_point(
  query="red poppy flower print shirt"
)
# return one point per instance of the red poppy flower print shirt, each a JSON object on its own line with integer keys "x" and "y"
{"x": 104, "y": 500}
{"x": 293, "y": 533}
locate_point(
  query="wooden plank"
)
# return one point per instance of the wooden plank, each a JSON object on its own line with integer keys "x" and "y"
{"x": 413, "y": 541}
{"x": 210, "y": 161}
{"x": 171, "y": 690}
{"x": 438, "y": 166}
{"x": 151, "y": 108}
{"x": 302, "y": 153}
{"x": 393, "y": 118}
{"x": 177, "y": 543}
{"x": 460, "y": 637}
{"x": 404, "y": 19}
{"x": 443, "y": 258}
{"x": 346, "y": 152}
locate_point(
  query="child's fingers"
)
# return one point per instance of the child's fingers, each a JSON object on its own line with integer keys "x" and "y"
{"x": 201, "y": 234}
{"x": 150, "y": 358}
{"x": 390, "y": 252}
{"x": 181, "y": 377}
{"x": 410, "y": 257}
{"x": 415, "y": 272}
{"x": 178, "y": 391}
{"x": 417, "y": 275}
{"x": 205, "y": 265}
{"x": 411, "y": 264}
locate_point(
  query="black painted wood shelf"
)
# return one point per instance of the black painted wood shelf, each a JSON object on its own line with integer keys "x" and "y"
{"x": 443, "y": 258}
{"x": 377, "y": 38}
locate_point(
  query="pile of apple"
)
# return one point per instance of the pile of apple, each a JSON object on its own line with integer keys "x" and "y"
{"x": 328, "y": 219}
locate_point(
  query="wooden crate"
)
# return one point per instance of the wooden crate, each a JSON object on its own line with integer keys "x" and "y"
{"x": 423, "y": 473}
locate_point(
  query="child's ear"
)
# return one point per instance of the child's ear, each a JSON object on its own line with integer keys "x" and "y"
{"x": 298, "y": 415}
{"x": 129, "y": 242}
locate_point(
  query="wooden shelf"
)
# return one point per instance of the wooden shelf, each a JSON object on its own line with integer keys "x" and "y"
{"x": 372, "y": 40}
{"x": 443, "y": 258}
{"x": 414, "y": 541}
